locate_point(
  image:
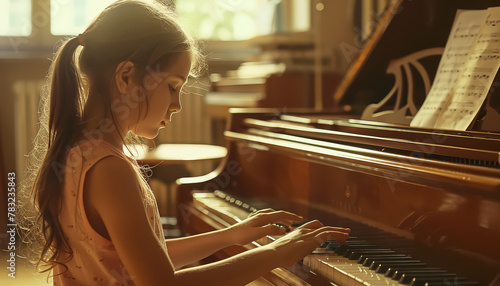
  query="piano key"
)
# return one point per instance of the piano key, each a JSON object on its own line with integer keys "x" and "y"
{"x": 420, "y": 281}
{"x": 333, "y": 246}
{"x": 382, "y": 267}
{"x": 419, "y": 277}
{"x": 355, "y": 254}
{"x": 367, "y": 259}
{"x": 343, "y": 271}
{"x": 455, "y": 283}
{"x": 354, "y": 245}
{"x": 392, "y": 270}
{"x": 397, "y": 275}
{"x": 324, "y": 244}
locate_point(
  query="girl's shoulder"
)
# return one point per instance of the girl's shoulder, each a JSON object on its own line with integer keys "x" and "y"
{"x": 112, "y": 171}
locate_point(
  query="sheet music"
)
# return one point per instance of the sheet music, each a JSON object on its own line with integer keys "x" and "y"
{"x": 478, "y": 72}
{"x": 462, "y": 36}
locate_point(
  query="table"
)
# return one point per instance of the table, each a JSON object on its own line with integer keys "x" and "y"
{"x": 170, "y": 162}
{"x": 182, "y": 153}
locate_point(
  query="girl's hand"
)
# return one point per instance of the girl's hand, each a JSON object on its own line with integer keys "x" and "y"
{"x": 303, "y": 240}
{"x": 260, "y": 224}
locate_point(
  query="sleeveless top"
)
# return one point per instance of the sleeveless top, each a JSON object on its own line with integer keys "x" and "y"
{"x": 95, "y": 260}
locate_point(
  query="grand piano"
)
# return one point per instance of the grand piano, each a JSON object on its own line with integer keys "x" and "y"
{"x": 423, "y": 205}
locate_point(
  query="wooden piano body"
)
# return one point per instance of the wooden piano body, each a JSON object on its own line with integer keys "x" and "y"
{"x": 436, "y": 192}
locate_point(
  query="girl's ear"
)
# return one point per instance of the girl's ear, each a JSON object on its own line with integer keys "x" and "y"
{"x": 124, "y": 76}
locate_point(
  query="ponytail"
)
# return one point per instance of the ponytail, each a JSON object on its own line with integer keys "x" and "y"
{"x": 65, "y": 103}
{"x": 64, "y": 116}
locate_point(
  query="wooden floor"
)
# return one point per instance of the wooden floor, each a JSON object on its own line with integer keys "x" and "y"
{"x": 25, "y": 274}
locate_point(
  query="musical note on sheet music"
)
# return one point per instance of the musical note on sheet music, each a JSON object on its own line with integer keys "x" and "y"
{"x": 454, "y": 56}
{"x": 466, "y": 98}
{"x": 467, "y": 68}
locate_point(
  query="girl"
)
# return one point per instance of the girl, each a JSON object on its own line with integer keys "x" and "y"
{"x": 96, "y": 215}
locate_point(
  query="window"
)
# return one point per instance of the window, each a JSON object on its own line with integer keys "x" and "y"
{"x": 219, "y": 19}
{"x": 72, "y": 17}
{"x": 15, "y": 17}
{"x": 233, "y": 20}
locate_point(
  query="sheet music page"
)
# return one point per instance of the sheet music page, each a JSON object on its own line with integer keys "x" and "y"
{"x": 478, "y": 73}
{"x": 462, "y": 36}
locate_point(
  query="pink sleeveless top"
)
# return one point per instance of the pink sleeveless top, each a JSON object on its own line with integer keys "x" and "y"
{"x": 95, "y": 260}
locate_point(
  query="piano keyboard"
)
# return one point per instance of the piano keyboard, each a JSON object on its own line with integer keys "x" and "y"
{"x": 372, "y": 257}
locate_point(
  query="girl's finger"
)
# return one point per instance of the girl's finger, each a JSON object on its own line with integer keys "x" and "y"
{"x": 329, "y": 229}
{"x": 336, "y": 229}
{"x": 322, "y": 235}
{"x": 263, "y": 211}
{"x": 272, "y": 229}
{"x": 314, "y": 224}
{"x": 276, "y": 217}
{"x": 268, "y": 210}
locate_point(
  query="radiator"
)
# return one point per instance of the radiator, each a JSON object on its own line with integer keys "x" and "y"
{"x": 27, "y": 97}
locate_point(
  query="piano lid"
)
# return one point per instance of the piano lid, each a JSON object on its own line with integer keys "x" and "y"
{"x": 408, "y": 26}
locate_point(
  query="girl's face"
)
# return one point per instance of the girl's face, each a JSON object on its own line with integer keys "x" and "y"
{"x": 163, "y": 93}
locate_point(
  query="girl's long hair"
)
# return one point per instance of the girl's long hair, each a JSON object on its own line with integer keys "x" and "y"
{"x": 143, "y": 32}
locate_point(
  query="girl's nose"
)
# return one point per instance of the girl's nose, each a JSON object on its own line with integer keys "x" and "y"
{"x": 176, "y": 105}
{"x": 175, "y": 108}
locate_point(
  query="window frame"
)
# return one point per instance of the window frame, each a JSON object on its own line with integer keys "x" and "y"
{"x": 41, "y": 43}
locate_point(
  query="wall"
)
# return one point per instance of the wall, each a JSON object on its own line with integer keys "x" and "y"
{"x": 12, "y": 70}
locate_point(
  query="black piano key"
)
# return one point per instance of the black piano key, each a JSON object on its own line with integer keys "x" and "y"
{"x": 337, "y": 247}
{"x": 340, "y": 249}
{"x": 356, "y": 253}
{"x": 362, "y": 246}
{"x": 421, "y": 281}
{"x": 324, "y": 244}
{"x": 454, "y": 283}
{"x": 367, "y": 259}
{"x": 392, "y": 270}
{"x": 298, "y": 224}
{"x": 354, "y": 246}
{"x": 408, "y": 278}
{"x": 332, "y": 243}
{"x": 383, "y": 264}
{"x": 383, "y": 267}
{"x": 333, "y": 246}
{"x": 408, "y": 272}
{"x": 358, "y": 242}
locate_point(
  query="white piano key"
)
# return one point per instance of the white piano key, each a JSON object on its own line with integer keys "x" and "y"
{"x": 343, "y": 271}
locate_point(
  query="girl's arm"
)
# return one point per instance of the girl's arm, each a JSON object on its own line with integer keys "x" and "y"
{"x": 186, "y": 250}
{"x": 112, "y": 190}
{"x": 245, "y": 267}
